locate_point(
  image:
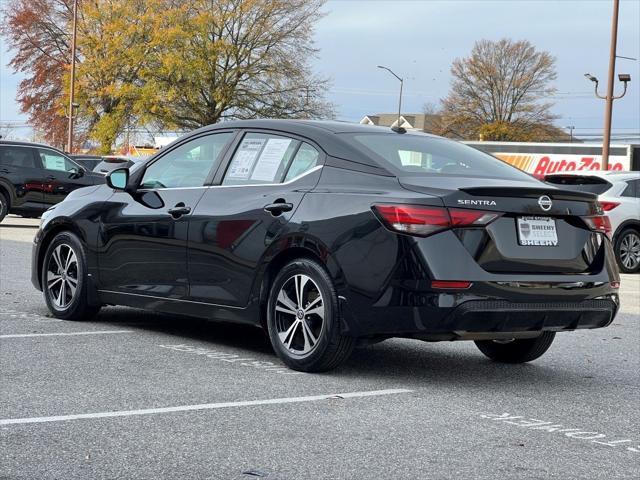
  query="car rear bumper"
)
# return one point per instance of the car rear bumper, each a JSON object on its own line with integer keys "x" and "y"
{"x": 503, "y": 316}
{"x": 488, "y": 310}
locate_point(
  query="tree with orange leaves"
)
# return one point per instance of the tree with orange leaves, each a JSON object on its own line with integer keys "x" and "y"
{"x": 179, "y": 64}
{"x": 36, "y": 31}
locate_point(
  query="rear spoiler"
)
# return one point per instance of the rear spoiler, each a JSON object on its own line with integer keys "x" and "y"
{"x": 530, "y": 192}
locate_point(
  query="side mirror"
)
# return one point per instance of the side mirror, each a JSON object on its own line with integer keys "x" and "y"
{"x": 118, "y": 179}
{"x": 77, "y": 172}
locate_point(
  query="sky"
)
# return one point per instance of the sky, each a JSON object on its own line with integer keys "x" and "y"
{"x": 419, "y": 39}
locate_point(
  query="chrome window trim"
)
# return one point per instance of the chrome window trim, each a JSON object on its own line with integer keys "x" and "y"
{"x": 314, "y": 169}
{"x": 170, "y": 188}
{"x": 294, "y": 179}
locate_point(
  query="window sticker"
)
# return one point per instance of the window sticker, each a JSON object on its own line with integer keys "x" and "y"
{"x": 270, "y": 159}
{"x": 245, "y": 158}
{"x": 53, "y": 162}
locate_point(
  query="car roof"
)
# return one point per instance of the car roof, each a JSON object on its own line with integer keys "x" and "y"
{"x": 84, "y": 156}
{"x": 25, "y": 144}
{"x": 325, "y": 133}
{"x": 292, "y": 125}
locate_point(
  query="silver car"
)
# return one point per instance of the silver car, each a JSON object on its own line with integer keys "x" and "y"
{"x": 619, "y": 194}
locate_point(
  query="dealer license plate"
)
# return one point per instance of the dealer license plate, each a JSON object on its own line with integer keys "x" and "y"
{"x": 538, "y": 231}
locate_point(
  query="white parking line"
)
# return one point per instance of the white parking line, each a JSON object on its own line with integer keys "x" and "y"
{"x": 204, "y": 406}
{"x": 63, "y": 334}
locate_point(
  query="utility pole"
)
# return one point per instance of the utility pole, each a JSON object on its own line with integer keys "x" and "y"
{"x": 609, "y": 97}
{"x": 608, "y": 109}
{"x": 73, "y": 78}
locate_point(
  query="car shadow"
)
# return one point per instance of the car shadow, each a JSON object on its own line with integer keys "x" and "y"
{"x": 412, "y": 361}
{"x": 218, "y": 334}
{"x": 405, "y": 362}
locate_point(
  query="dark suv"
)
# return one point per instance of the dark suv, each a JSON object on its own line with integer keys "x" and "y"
{"x": 33, "y": 177}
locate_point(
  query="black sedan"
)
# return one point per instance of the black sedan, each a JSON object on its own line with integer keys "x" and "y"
{"x": 330, "y": 234}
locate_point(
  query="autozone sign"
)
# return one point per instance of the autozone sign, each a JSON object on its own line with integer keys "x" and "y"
{"x": 546, "y": 163}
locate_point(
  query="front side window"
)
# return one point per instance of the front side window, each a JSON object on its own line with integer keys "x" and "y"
{"x": 416, "y": 155}
{"x": 187, "y": 165}
{"x": 54, "y": 161}
{"x": 17, "y": 157}
{"x": 260, "y": 158}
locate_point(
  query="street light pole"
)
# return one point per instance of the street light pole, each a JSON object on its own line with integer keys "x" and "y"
{"x": 625, "y": 78}
{"x": 400, "y": 99}
{"x": 73, "y": 78}
{"x": 570, "y": 127}
{"x": 608, "y": 109}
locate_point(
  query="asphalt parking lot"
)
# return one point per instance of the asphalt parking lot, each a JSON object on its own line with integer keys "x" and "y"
{"x": 137, "y": 395}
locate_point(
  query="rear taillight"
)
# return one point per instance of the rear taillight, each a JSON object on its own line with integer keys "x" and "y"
{"x": 608, "y": 206}
{"x": 424, "y": 220}
{"x": 599, "y": 223}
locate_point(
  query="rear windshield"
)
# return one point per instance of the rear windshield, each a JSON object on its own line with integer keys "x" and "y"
{"x": 415, "y": 155}
{"x": 580, "y": 183}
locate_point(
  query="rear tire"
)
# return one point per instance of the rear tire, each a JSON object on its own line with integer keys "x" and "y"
{"x": 303, "y": 318}
{"x": 64, "y": 279}
{"x": 4, "y": 206}
{"x": 517, "y": 351}
{"x": 627, "y": 250}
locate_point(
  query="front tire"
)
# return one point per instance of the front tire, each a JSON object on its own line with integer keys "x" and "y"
{"x": 303, "y": 318}
{"x": 627, "y": 250}
{"x": 64, "y": 279}
{"x": 516, "y": 351}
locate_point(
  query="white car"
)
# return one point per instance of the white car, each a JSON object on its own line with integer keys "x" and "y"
{"x": 619, "y": 195}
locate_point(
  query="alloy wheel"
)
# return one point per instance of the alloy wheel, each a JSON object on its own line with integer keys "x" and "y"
{"x": 62, "y": 276}
{"x": 630, "y": 251}
{"x": 299, "y": 314}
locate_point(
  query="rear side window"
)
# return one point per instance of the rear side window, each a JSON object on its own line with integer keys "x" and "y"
{"x": 306, "y": 158}
{"x": 632, "y": 189}
{"x": 20, "y": 157}
{"x": 259, "y": 159}
{"x": 417, "y": 155}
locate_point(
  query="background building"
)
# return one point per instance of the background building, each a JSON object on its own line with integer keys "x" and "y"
{"x": 421, "y": 122}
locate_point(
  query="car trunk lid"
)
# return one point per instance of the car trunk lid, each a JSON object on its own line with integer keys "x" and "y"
{"x": 541, "y": 229}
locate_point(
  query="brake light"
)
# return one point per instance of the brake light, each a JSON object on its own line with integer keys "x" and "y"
{"x": 599, "y": 223}
{"x": 608, "y": 206}
{"x": 450, "y": 284}
{"x": 426, "y": 220}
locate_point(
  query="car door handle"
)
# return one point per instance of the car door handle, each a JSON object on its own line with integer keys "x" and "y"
{"x": 278, "y": 207}
{"x": 51, "y": 178}
{"x": 179, "y": 210}
{"x": 4, "y": 170}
